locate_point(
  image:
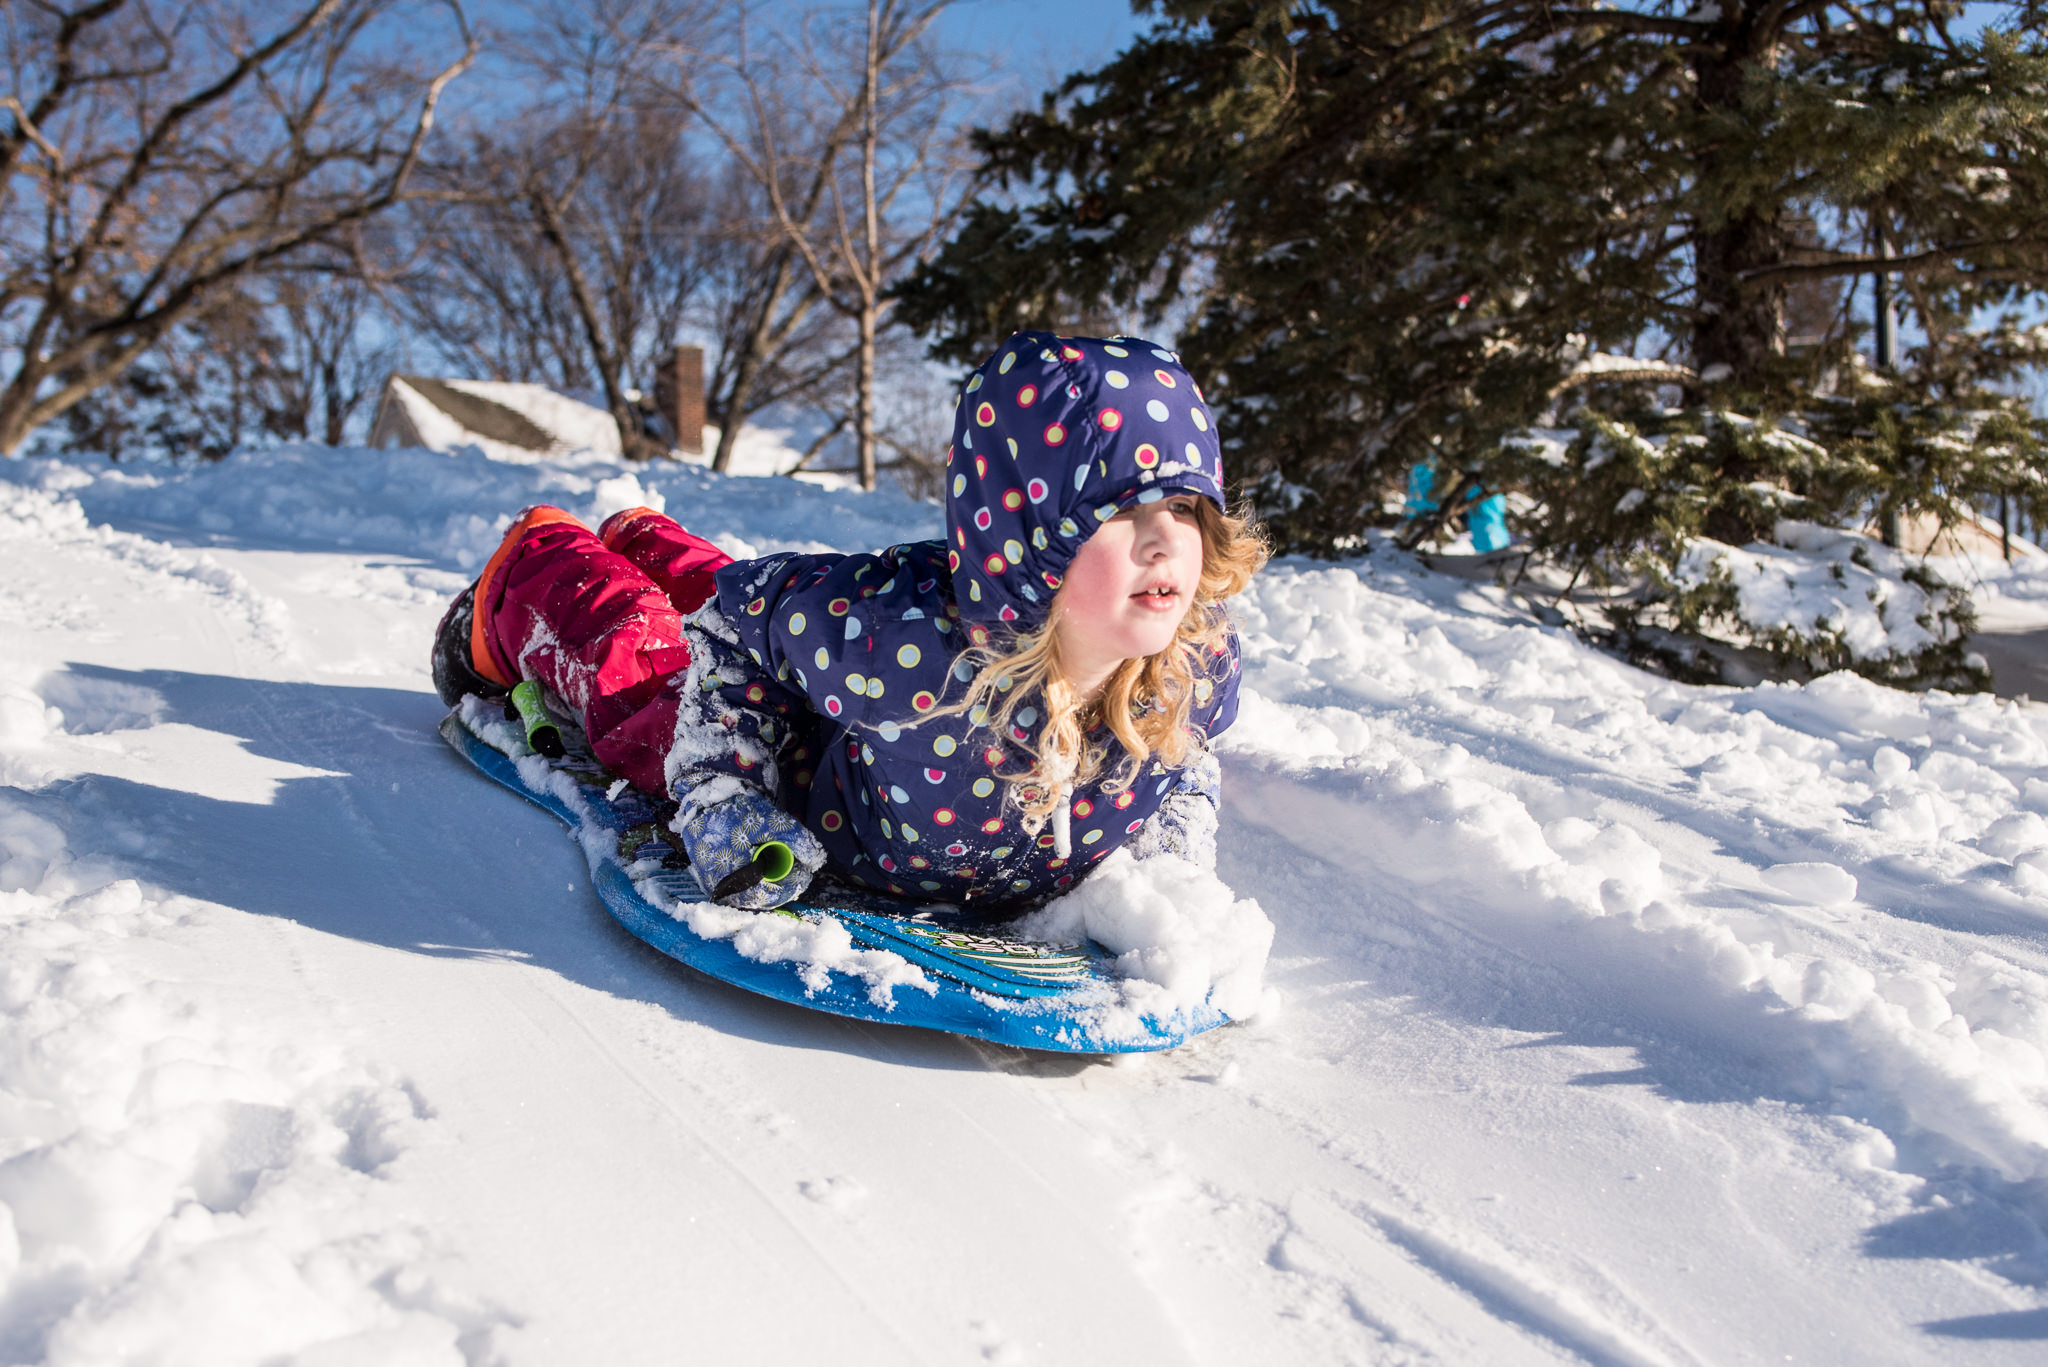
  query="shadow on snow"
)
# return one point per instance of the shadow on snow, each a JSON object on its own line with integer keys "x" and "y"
{"x": 403, "y": 845}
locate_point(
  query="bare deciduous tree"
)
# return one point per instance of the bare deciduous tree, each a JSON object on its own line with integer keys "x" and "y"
{"x": 474, "y": 286}
{"x": 158, "y": 155}
{"x": 285, "y": 355}
{"x": 858, "y": 163}
{"x": 565, "y": 245}
{"x": 774, "y": 343}
{"x": 330, "y": 366}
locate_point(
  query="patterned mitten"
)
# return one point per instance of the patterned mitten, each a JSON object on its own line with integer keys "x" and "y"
{"x": 1185, "y": 823}
{"x": 746, "y": 850}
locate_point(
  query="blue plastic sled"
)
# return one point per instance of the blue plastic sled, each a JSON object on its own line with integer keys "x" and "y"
{"x": 948, "y": 971}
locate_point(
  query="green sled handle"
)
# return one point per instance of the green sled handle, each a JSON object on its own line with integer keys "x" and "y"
{"x": 528, "y": 708}
{"x": 773, "y": 861}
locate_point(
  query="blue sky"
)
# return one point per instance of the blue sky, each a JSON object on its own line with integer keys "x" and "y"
{"x": 1039, "y": 41}
{"x": 1029, "y": 45}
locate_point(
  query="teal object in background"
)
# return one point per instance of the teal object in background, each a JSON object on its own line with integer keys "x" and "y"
{"x": 1421, "y": 479}
{"x": 1486, "y": 520}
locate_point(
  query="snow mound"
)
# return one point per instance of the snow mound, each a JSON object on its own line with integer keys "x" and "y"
{"x": 52, "y": 515}
{"x": 1532, "y": 783}
{"x": 1823, "y": 581}
{"x": 1182, "y": 938}
{"x": 451, "y": 508}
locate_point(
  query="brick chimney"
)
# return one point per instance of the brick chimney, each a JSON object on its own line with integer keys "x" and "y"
{"x": 679, "y": 395}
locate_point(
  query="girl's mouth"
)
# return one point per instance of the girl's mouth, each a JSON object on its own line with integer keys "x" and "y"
{"x": 1159, "y": 595}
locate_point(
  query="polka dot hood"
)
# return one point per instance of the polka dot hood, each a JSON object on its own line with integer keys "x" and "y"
{"x": 821, "y": 674}
{"x": 1051, "y": 437}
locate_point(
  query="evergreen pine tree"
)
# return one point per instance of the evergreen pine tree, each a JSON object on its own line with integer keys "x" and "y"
{"x": 1403, "y": 230}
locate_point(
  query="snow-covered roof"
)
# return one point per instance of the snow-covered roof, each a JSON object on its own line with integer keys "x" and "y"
{"x": 502, "y": 419}
{"x": 523, "y": 423}
{"x": 1975, "y": 536}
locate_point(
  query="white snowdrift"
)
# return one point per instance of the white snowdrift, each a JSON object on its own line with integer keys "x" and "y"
{"x": 1840, "y": 801}
{"x": 1823, "y": 580}
{"x": 453, "y": 508}
{"x": 1174, "y": 926}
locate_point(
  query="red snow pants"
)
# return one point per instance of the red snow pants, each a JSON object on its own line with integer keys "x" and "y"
{"x": 597, "y": 618}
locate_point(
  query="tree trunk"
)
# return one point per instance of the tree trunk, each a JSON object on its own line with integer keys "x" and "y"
{"x": 1740, "y": 321}
{"x": 736, "y": 406}
{"x": 762, "y": 336}
{"x": 1738, "y": 334}
{"x": 869, "y": 279}
{"x": 632, "y": 444}
{"x": 1739, "y": 327}
{"x": 23, "y": 410}
{"x": 337, "y": 416}
{"x": 14, "y": 406}
{"x": 864, "y": 397}
{"x": 1891, "y": 525}
{"x": 1886, "y": 332}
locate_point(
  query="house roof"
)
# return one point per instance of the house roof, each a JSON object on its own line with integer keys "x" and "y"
{"x": 503, "y": 419}
{"x": 485, "y": 417}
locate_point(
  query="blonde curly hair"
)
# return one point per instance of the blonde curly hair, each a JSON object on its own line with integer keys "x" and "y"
{"x": 1145, "y": 702}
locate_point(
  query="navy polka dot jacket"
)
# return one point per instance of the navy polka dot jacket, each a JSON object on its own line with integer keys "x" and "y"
{"x": 826, "y": 666}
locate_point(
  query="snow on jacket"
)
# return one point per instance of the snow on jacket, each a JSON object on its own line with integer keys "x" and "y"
{"x": 817, "y": 673}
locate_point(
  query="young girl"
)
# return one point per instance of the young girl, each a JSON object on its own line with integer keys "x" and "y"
{"x": 973, "y": 720}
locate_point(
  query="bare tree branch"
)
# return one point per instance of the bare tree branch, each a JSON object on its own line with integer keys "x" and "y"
{"x": 1936, "y": 259}
{"x": 876, "y": 100}
{"x": 248, "y": 167}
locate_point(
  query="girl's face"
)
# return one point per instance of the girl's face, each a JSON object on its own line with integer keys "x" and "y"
{"x": 1126, "y": 592}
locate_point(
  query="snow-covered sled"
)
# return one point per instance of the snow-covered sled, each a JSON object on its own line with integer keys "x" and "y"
{"x": 848, "y": 952}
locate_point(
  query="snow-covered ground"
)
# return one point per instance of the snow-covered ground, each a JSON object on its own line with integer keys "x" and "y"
{"x": 1608, "y": 1020}
{"x": 2009, "y": 598}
